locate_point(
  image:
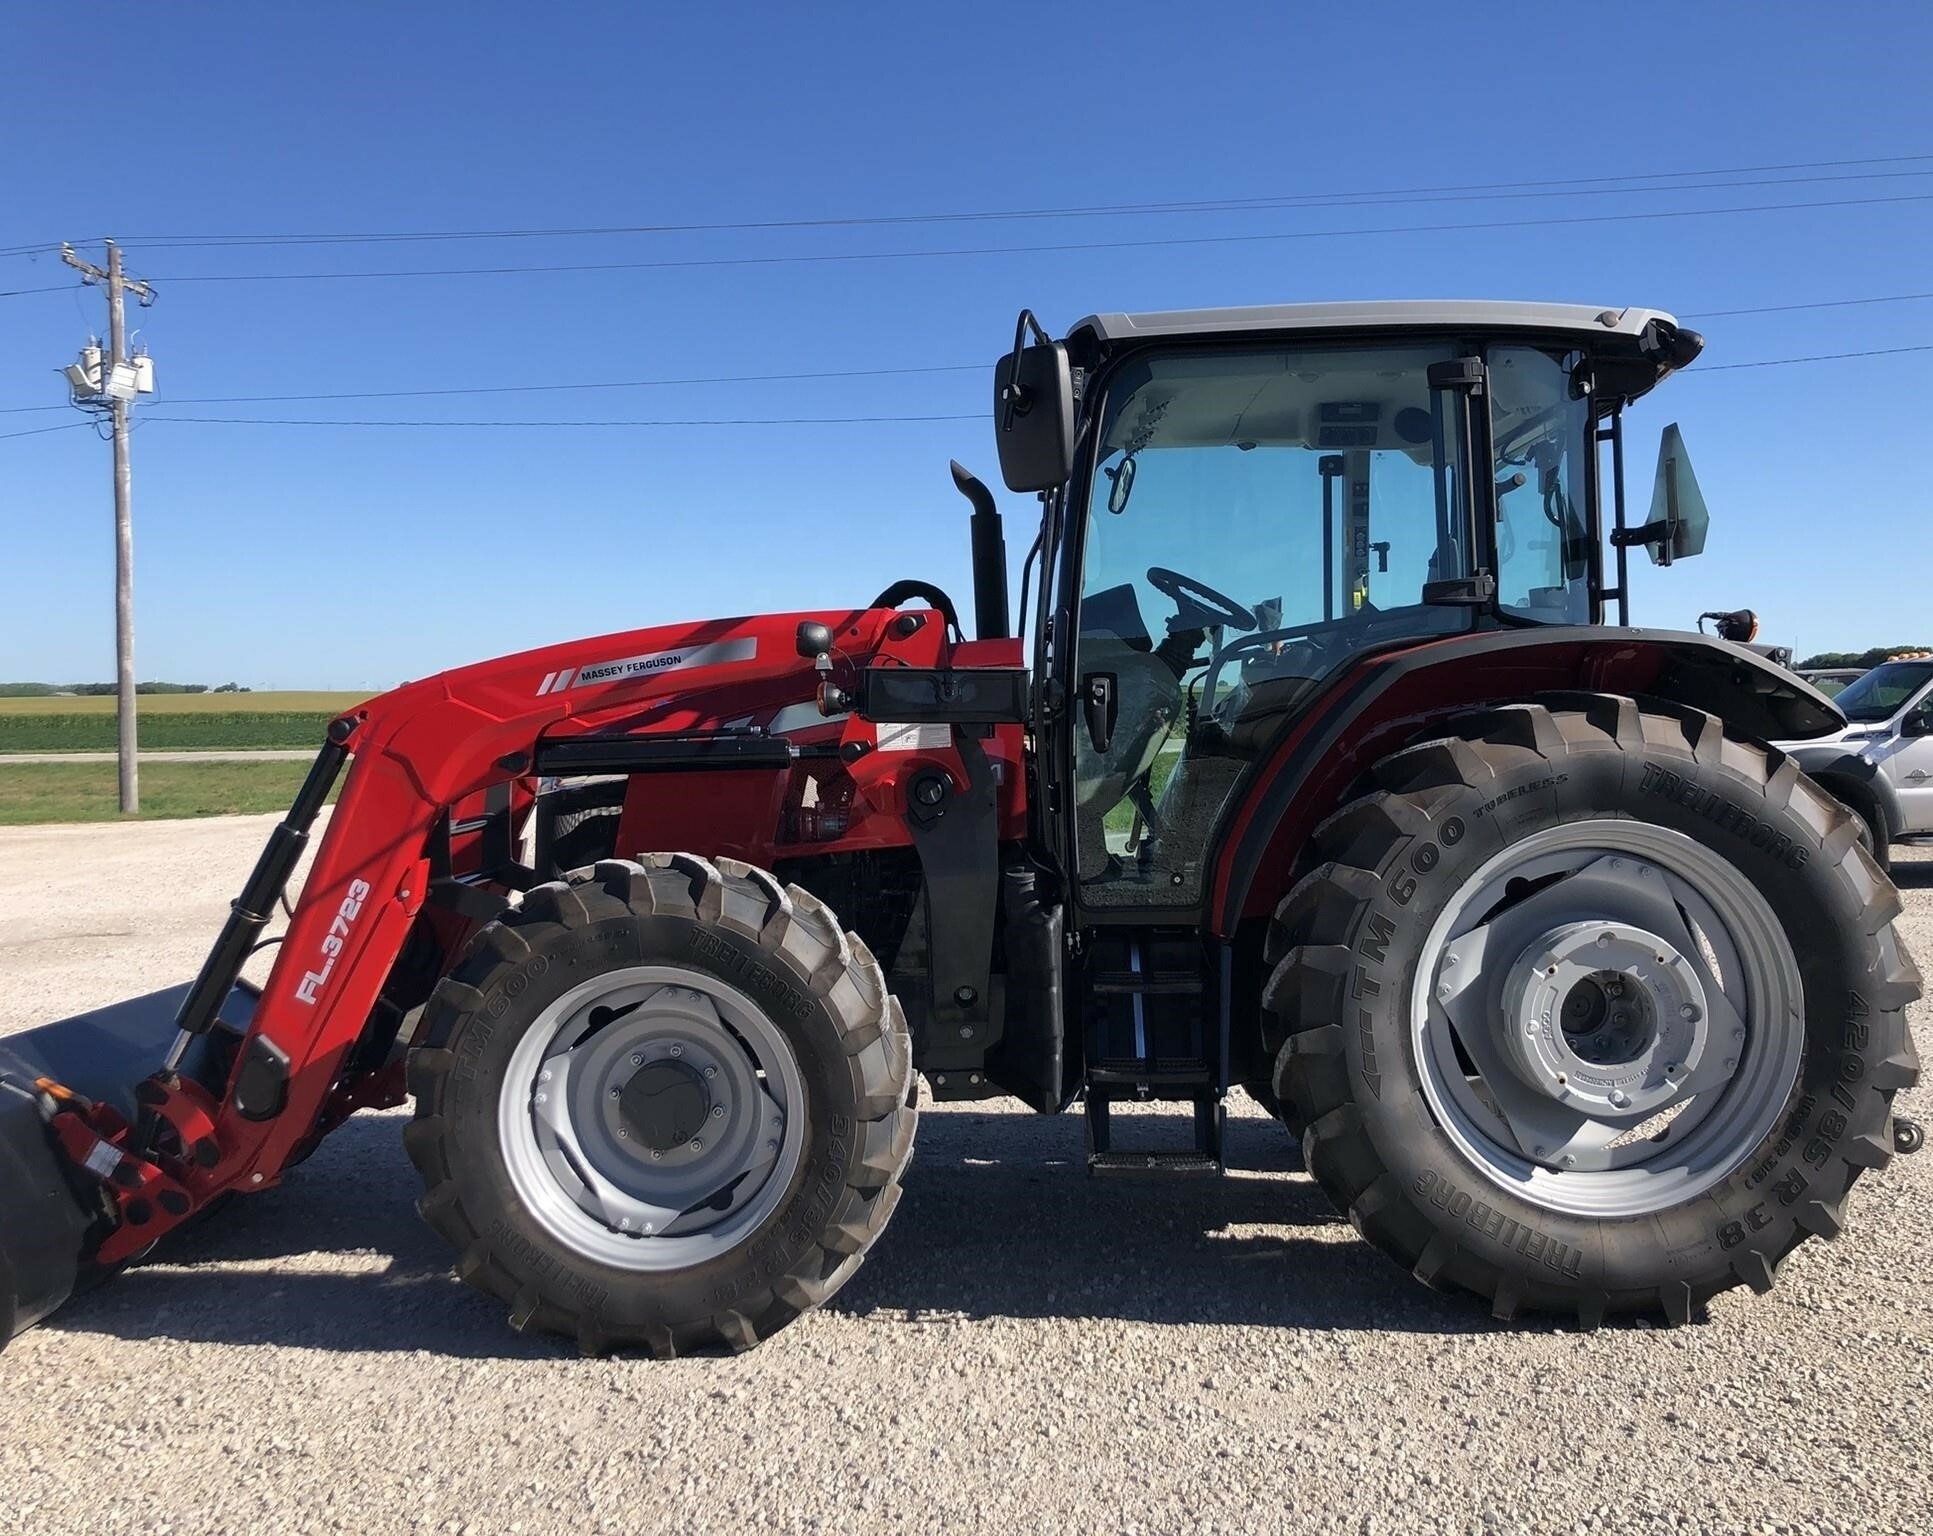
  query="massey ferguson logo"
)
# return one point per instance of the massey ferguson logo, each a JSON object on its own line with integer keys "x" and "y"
{"x": 643, "y": 666}
{"x": 332, "y": 942}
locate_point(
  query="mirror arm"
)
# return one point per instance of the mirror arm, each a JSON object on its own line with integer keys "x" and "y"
{"x": 1020, "y": 398}
{"x": 1636, "y": 538}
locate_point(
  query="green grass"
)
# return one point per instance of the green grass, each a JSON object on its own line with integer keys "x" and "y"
{"x": 42, "y": 792}
{"x": 172, "y": 721}
{"x": 298, "y": 702}
{"x": 1120, "y": 818}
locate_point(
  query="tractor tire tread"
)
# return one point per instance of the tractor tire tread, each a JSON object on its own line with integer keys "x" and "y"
{"x": 1305, "y": 994}
{"x": 795, "y": 929}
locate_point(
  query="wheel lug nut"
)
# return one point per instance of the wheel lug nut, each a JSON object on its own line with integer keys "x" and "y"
{"x": 656, "y": 1157}
{"x": 637, "y": 1058}
{"x": 1443, "y": 991}
{"x": 718, "y": 1111}
{"x": 543, "y": 1077}
{"x": 1568, "y": 1160}
{"x": 677, "y": 1050}
{"x": 1603, "y": 940}
{"x": 1620, "y": 1098}
{"x": 649, "y": 1229}
{"x": 697, "y": 1145}
{"x": 617, "y": 1093}
{"x": 1731, "y": 1063}
{"x": 711, "y": 1071}
{"x": 1738, "y": 1034}
{"x": 624, "y": 1135}
{"x": 624, "y": 1223}
{"x": 542, "y": 1097}
{"x": 771, "y": 1146}
{"x": 1689, "y": 1013}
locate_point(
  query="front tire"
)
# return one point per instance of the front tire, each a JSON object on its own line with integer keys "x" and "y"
{"x": 664, "y": 1104}
{"x": 1592, "y": 1010}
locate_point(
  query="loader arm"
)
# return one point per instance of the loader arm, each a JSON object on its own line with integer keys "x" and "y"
{"x": 436, "y": 774}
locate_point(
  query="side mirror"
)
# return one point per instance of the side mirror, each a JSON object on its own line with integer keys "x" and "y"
{"x": 1676, "y": 527}
{"x": 1918, "y": 723}
{"x": 1033, "y": 411}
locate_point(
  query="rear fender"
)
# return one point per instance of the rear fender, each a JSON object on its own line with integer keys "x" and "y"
{"x": 1387, "y": 700}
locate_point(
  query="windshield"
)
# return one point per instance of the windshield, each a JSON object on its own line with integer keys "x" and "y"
{"x": 1314, "y": 486}
{"x": 1884, "y": 691}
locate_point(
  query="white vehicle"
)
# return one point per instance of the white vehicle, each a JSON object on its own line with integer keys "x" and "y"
{"x": 1881, "y": 764}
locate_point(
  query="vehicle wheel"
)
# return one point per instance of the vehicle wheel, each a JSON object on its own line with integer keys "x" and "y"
{"x": 663, "y": 1104}
{"x": 1592, "y": 1010}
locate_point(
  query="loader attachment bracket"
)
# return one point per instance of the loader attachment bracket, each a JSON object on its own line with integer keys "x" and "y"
{"x": 955, "y": 833}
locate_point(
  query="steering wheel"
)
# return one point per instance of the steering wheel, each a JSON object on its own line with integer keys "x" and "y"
{"x": 1194, "y": 598}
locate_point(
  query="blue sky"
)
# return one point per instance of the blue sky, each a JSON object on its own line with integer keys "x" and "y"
{"x": 342, "y": 556}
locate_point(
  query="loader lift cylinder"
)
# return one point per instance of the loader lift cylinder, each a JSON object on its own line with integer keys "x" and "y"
{"x": 250, "y": 911}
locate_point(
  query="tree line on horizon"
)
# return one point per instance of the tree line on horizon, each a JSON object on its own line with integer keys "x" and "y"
{"x": 1861, "y": 659}
{"x": 91, "y": 690}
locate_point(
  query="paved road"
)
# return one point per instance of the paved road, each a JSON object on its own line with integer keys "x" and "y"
{"x": 299, "y": 756}
{"x": 1025, "y": 1351}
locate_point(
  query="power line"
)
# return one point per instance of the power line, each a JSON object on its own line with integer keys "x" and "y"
{"x": 1817, "y": 357}
{"x": 1780, "y": 309}
{"x": 1362, "y": 197}
{"x": 832, "y": 374}
{"x": 1164, "y": 242}
{"x": 717, "y": 421}
{"x": 778, "y": 421}
{"x": 65, "y": 426}
{"x": 797, "y": 421}
{"x": 519, "y": 389}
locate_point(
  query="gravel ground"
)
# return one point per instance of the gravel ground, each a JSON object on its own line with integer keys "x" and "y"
{"x": 1026, "y": 1350}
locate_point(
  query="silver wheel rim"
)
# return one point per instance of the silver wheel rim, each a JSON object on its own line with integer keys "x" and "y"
{"x": 1629, "y": 1015}
{"x": 652, "y": 1118}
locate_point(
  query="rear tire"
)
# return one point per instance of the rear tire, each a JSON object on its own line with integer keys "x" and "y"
{"x": 720, "y": 967}
{"x": 1422, "y": 1112}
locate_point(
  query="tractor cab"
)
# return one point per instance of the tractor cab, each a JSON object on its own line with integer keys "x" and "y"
{"x": 1250, "y": 500}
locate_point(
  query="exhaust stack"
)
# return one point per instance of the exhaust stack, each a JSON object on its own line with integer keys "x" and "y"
{"x": 991, "y": 620}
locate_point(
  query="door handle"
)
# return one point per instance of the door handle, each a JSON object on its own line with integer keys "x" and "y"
{"x": 1100, "y": 705}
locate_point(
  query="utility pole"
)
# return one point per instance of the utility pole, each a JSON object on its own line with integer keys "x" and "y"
{"x": 119, "y": 381}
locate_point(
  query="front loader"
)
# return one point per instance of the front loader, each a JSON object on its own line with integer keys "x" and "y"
{"x": 1328, "y": 768}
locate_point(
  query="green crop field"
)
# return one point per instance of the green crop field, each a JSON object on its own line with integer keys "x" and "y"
{"x": 172, "y": 721}
{"x": 324, "y": 703}
{"x": 43, "y": 792}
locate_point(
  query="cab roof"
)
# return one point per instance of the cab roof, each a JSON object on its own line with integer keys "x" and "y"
{"x": 1644, "y": 345}
{"x": 1391, "y": 314}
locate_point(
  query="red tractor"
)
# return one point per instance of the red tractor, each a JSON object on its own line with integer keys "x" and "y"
{"x": 1319, "y": 773}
